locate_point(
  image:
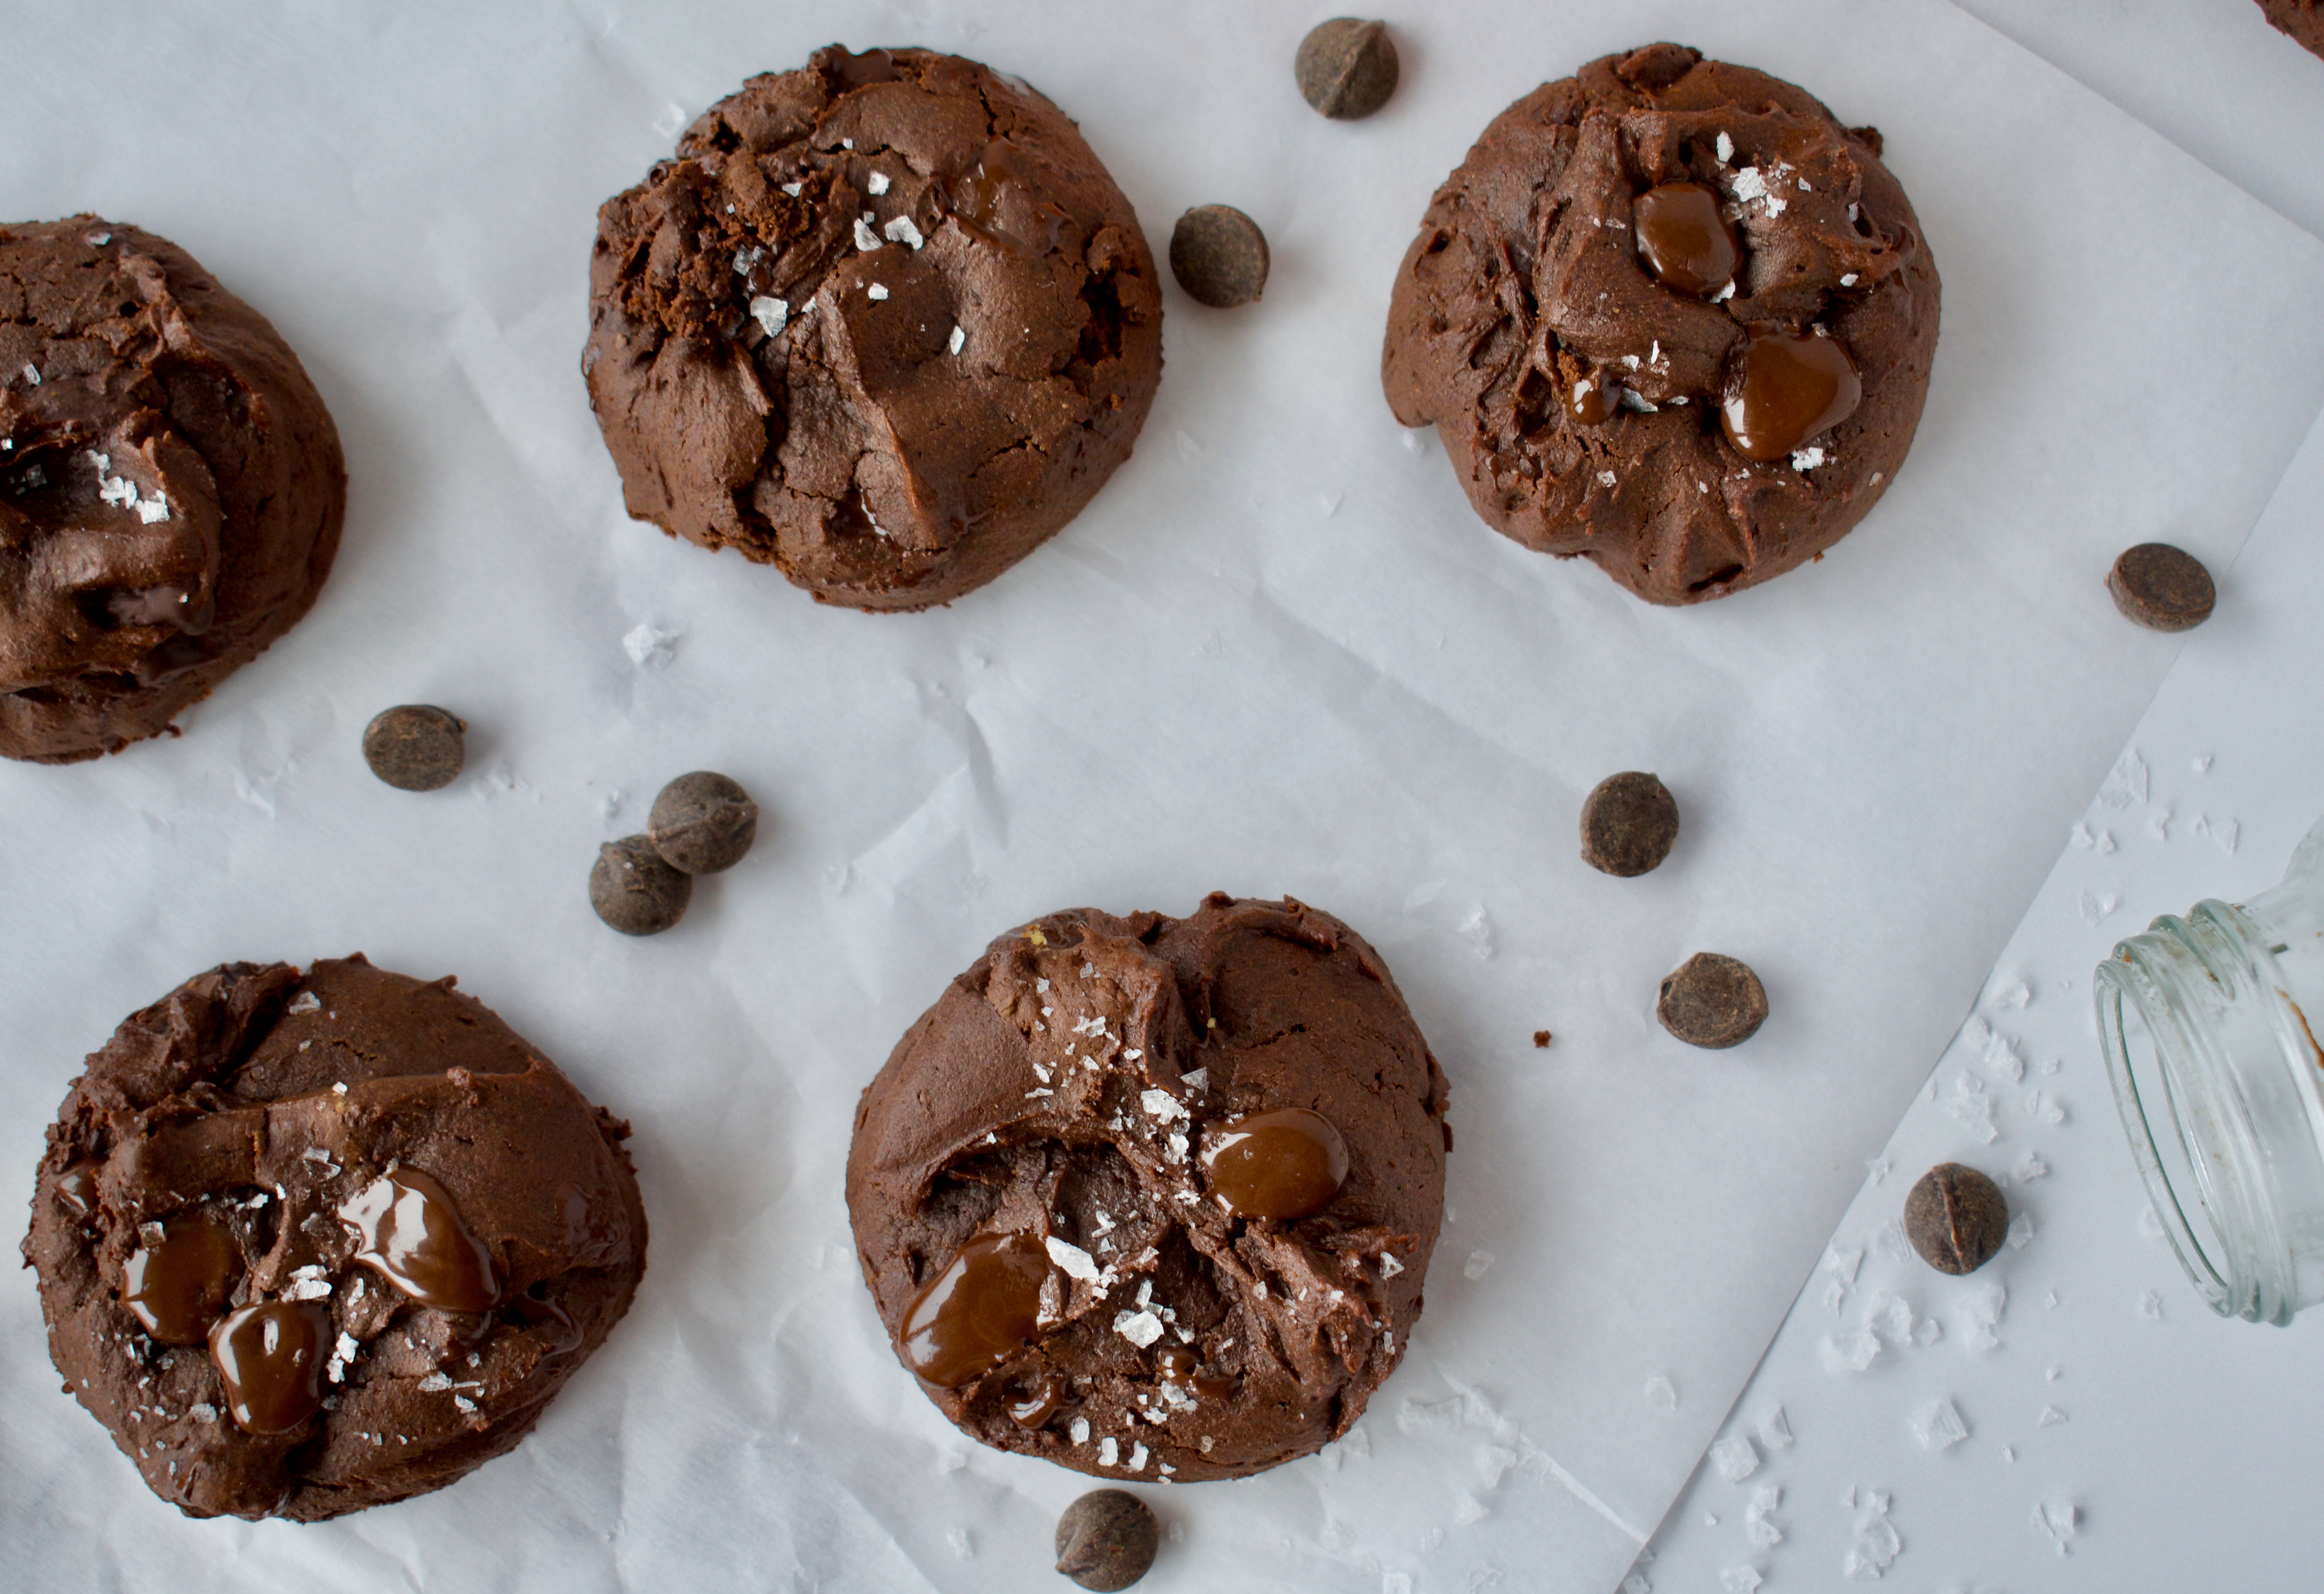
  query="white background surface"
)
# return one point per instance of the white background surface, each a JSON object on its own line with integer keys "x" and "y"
{"x": 1277, "y": 655}
{"x": 2185, "y": 1442}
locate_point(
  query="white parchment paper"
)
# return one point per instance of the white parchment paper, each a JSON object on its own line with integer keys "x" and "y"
{"x": 1277, "y": 655}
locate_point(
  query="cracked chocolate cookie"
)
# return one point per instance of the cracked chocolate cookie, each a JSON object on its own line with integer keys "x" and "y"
{"x": 170, "y": 486}
{"x": 1152, "y": 1197}
{"x": 2299, "y": 20}
{"x": 1669, "y": 316}
{"x": 310, "y": 1243}
{"x": 885, "y": 322}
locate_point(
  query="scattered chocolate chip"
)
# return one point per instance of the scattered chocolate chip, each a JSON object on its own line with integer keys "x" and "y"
{"x": 2161, "y": 587}
{"x": 634, "y": 891}
{"x": 1347, "y": 68}
{"x": 1107, "y": 1539}
{"x": 1628, "y": 823}
{"x": 1219, "y": 256}
{"x": 416, "y": 747}
{"x": 1541, "y": 1039}
{"x": 702, "y": 823}
{"x": 1956, "y": 1218}
{"x": 1712, "y": 1001}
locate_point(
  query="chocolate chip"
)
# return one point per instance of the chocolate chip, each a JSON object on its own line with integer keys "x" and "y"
{"x": 1219, "y": 256}
{"x": 702, "y": 823}
{"x": 1347, "y": 68}
{"x": 416, "y": 747}
{"x": 634, "y": 891}
{"x": 1107, "y": 1539}
{"x": 1956, "y": 1218}
{"x": 2161, "y": 587}
{"x": 1712, "y": 1001}
{"x": 1628, "y": 823}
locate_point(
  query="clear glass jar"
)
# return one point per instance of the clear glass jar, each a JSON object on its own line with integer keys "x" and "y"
{"x": 2214, "y": 1064}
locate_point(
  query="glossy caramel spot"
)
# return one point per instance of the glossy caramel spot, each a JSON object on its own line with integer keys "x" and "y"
{"x": 982, "y": 1308}
{"x": 976, "y": 196}
{"x": 1783, "y": 388}
{"x": 1685, "y": 240}
{"x": 177, "y": 1288}
{"x": 1214, "y": 1386}
{"x": 1592, "y": 401}
{"x": 1037, "y": 1402}
{"x": 76, "y": 1189}
{"x": 534, "y": 1310}
{"x": 271, "y": 1356}
{"x": 407, "y": 1229}
{"x": 1281, "y": 1165}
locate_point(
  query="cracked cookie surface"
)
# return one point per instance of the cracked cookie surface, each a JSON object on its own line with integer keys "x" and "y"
{"x": 1671, "y": 317}
{"x": 1094, "y": 1194}
{"x": 310, "y": 1243}
{"x": 884, "y": 322}
{"x": 171, "y": 489}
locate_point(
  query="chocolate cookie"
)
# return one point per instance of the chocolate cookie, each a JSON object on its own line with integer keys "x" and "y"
{"x": 170, "y": 486}
{"x": 1671, "y": 316}
{"x": 885, "y": 322}
{"x": 2302, "y": 20}
{"x": 1154, "y": 1197}
{"x": 309, "y": 1244}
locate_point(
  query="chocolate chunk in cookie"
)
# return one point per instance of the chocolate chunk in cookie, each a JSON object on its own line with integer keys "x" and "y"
{"x": 1671, "y": 317}
{"x": 312, "y": 1242}
{"x": 1154, "y": 1198}
{"x": 885, "y": 322}
{"x": 170, "y": 487}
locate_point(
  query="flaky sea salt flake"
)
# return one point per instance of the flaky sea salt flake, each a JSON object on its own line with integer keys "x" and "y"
{"x": 1141, "y": 1329}
{"x": 1660, "y": 1394}
{"x": 771, "y": 314}
{"x": 902, "y": 231}
{"x": 2057, "y": 1519}
{"x": 1076, "y": 1262}
{"x": 1938, "y": 1426}
{"x": 875, "y": 291}
{"x": 1876, "y": 1545}
{"x": 1735, "y": 1458}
